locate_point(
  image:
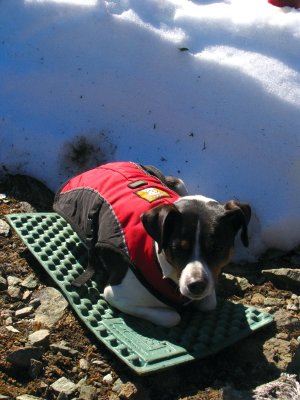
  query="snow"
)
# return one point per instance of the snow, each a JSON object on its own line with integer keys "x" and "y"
{"x": 206, "y": 90}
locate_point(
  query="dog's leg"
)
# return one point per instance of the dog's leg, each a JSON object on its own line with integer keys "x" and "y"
{"x": 162, "y": 316}
{"x": 209, "y": 303}
{"x": 131, "y": 297}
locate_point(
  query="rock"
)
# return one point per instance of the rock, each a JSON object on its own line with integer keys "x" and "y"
{"x": 13, "y": 280}
{"x": 286, "y": 275}
{"x": 257, "y": 299}
{"x": 36, "y": 368}
{"x": 28, "y": 397}
{"x": 284, "y": 319}
{"x": 293, "y": 303}
{"x": 14, "y": 292}
{"x": 234, "y": 284}
{"x": 117, "y": 386}
{"x": 108, "y": 378}
{"x": 128, "y": 390}
{"x": 24, "y": 312}
{"x": 63, "y": 349}
{"x": 8, "y": 321}
{"x": 82, "y": 382}
{"x": 2, "y": 196}
{"x": 27, "y": 208}
{"x": 52, "y": 307}
{"x": 278, "y": 352}
{"x": 21, "y": 357}
{"x": 6, "y": 313}
{"x": 2, "y": 397}
{"x": 26, "y": 295}
{"x": 3, "y": 283}
{"x": 83, "y": 364}
{"x": 29, "y": 282}
{"x": 64, "y": 385}
{"x": 87, "y": 392}
{"x": 285, "y": 387}
{"x": 40, "y": 338}
{"x": 113, "y": 396}
{"x": 272, "y": 302}
{"x": 4, "y": 228}
{"x": 35, "y": 303}
{"x": 12, "y": 329}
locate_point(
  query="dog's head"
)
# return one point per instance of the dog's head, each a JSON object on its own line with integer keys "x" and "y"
{"x": 196, "y": 235}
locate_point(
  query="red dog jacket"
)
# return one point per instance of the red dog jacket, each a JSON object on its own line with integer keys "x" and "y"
{"x": 104, "y": 206}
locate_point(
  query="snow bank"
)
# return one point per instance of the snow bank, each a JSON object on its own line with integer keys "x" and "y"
{"x": 86, "y": 81}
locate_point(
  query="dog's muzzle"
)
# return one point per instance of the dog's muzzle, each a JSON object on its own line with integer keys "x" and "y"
{"x": 196, "y": 281}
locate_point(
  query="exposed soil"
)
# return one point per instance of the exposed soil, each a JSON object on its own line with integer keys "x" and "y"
{"x": 251, "y": 362}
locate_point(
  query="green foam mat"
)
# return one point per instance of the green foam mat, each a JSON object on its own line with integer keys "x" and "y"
{"x": 144, "y": 347}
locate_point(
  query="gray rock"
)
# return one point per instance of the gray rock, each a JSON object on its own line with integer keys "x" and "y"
{"x": 29, "y": 282}
{"x": 278, "y": 353}
{"x": 35, "y": 302}
{"x": 40, "y": 338}
{"x": 286, "y": 275}
{"x": 117, "y": 387}
{"x": 12, "y": 329}
{"x": 8, "y": 321}
{"x": 52, "y": 307}
{"x": 63, "y": 349}
{"x": 4, "y": 228}
{"x": 28, "y": 397}
{"x": 14, "y": 292}
{"x": 87, "y": 392}
{"x": 64, "y": 385}
{"x": 26, "y": 295}
{"x": 27, "y": 208}
{"x": 108, "y": 378}
{"x": 284, "y": 319}
{"x": 3, "y": 283}
{"x": 2, "y": 397}
{"x": 13, "y": 280}
{"x": 272, "y": 302}
{"x": 83, "y": 364}
{"x": 129, "y": 391}
{"x": 24, "y": 312}
{"x": 22, "y": 356}
{"x": 234, "y": 283}
{"x": 285, "y": 387}
{"x": 2, "y": 196}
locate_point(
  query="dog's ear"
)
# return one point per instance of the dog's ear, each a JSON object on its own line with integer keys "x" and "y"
{"x": 239, "y": 214}
{"x": 159, "y": 223}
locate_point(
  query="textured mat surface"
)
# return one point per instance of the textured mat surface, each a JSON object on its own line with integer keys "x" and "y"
{"x": 142, "y": 346}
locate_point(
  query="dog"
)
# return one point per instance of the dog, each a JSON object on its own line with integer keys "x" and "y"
{"x": 166, "y": 253}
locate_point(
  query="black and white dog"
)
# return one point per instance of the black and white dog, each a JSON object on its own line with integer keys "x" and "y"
{"x": 192, "y": 253}
{"x": 193, "y": 240}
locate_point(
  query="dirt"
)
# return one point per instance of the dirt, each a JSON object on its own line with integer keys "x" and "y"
{"x": 240, "y": 368}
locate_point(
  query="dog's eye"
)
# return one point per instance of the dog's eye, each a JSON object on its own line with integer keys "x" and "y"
{"x": 181, "y": 245}
{"x": 185, "y": 244}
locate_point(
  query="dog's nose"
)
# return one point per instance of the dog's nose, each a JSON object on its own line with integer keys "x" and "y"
{"x": 197, "y": 287}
